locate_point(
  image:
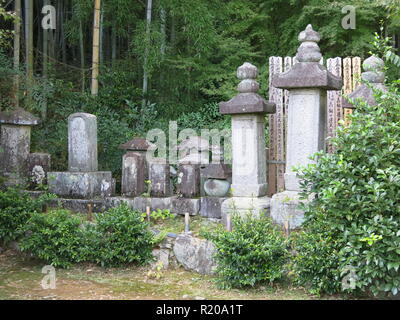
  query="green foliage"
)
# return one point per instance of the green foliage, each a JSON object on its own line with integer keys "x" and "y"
{"x": 16, "y": 207}
{"x": 253, "y": 253}
{"x": 356, "y": 204}
{"x": 119, "y": 236}
{"x": 160, "y": 215}
{"x": 55, "y": 237}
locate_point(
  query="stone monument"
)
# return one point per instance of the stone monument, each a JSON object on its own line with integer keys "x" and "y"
{"x": 249, "y": 172}
{"x": 307, "y": 82}
{"x": 82, "y": 180}
{"x": 15, "y": 145}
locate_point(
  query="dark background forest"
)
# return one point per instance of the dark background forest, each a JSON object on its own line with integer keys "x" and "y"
{"x": 161, "y": 60}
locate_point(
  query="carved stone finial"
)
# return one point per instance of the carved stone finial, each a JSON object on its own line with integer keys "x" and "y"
{"x": 309, "y": 50}
{"x": 374, "y": 70}
{"x": 248, "y": 73}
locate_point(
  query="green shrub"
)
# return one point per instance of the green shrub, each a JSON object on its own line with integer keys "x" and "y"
{"x": 55, "y": 237}
{"x": 356, "y": 205}
{"x": 118, "y": 237}
{"x": 253, "y": 253}
{"x": 16, "y": 208}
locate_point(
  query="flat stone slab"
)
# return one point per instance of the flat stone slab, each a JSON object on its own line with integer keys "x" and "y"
{"x": 183, "y": 205}
{"x": 285, "y": 209}
{"x": 80, "y": 205}
{"x": 210, "y": 207}
{"x": 244, "y": 206}
{"x": 140, "y": 203}
{"x": 195, "y": 254}
{"x": 81, "y": 185}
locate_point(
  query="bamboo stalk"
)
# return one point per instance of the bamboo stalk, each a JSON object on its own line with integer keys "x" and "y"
{"x": 96, "y": 45}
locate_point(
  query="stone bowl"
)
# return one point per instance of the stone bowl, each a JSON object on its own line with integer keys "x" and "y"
{"x": 216, "y": 187}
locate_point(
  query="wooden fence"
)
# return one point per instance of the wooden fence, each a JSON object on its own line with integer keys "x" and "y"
{"x": 348, "y": 68}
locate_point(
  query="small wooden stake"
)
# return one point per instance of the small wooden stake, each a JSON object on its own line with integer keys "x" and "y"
{"x": 90, "y": 212}
{"x": 228, "y": 223}
{"x": 187, "y": 222}
{"x": 148, "y": 214}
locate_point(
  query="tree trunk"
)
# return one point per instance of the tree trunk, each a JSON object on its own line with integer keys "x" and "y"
{"x": 17, "y": 48}
{"x": 113, "y": 44}
{"x": 82, "y": 51}
{"x": 146, "y": 54}
{"x": 96, "y": 43}
{"x": 29, "y": 47}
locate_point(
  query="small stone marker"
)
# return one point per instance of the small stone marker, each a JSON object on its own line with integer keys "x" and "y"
{"x": 134, "y": 167}
{"x": 187, "y": 222}
{"x": 82, "y": 142}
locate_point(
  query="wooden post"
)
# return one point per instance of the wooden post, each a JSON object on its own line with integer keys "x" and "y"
{"x": 90, "y": 211}
{"x": 228, "y": 223}
{"x": 187, "y": 222}
{"x": 148, "y": 215}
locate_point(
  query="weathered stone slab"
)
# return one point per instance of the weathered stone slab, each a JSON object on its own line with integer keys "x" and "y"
{"x": 141, "y": 203}
{"x": 183, "y": 205}
{"x": 244, "y": 206}
{"x": 159, "y": 175}
{"x": 195, "y": 254}
{"x": 189, "y": 180}
{"x": 134, "y": 174}
{"x": 84, "y": 185}
{"x": 80, "y": 205}
{"x": 210, "y": 207}
{"x": 14, "y": 151}
{"x": 82, "y": 142}
{"x": 285, "y": 209}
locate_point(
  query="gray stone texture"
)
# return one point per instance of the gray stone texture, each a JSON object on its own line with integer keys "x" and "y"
{"x": 308, "y": 72}
{"x": 210, "y": 207}
{"x": 134, "y": 174}
{"x": 195, "y": 254}
{"x": 159, "y": 175}
{"x": 374, "y": 74}
{"x": 84, "y": 185}
{"x": 82, "y": 142}
{"x": 185, "y": 205}
{"x": 216, "y": 187}
{"x": 189, "y": 180}
{"x": 285, "y": 209}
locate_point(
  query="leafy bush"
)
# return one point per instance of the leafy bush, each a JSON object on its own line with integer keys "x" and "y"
{"x": 356, "y": 205}
{"x": 16, "y": 208}
{"x": 54, "y": 237}
{"x": 119, "y": 236}
{"x": 253, "y": 253}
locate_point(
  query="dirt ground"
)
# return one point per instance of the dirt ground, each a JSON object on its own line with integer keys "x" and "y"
{"x": 20, "y": 279}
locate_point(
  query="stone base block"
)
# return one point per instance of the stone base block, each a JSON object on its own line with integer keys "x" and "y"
{"x": 80, "y": 205}
{"x": 210, "y": 207}
{"x": 183, "y": 205}
{"x": 244, "y": 206}
{"x": 81, "y": 185}
{"x": 285, "y": 209}
{"x": 140, "y": 203}
{"x": 249, "y": 190}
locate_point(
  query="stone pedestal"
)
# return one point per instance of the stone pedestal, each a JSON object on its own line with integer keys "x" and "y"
{"x": 82, "y": 180}
{"x": 249, "y": 172}
{"x": 85, "y": 185}
{"x": 307, "y": 82}
{"x": 15, "y": 145}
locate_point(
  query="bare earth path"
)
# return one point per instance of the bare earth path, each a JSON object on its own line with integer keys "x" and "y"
{"x": 20, "y": 279}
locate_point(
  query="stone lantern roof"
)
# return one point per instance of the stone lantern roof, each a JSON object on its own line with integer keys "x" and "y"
{"x": 136, "y": 144}
{"x": 308, "y": 72}
{"x": 248, "y": 100}
{"x": 18, "y": 116}
{"x": 374, "y": 74}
